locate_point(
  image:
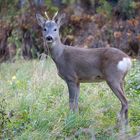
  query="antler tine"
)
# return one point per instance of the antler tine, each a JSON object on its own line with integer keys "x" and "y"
{"x": 55, "y": 15}
{"x": 47, "y": 15}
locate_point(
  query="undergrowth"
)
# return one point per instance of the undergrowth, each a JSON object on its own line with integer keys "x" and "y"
{"x": 34, "y": 105}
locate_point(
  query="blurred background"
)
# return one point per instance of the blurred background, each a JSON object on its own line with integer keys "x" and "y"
{"x": 90, "y": 23}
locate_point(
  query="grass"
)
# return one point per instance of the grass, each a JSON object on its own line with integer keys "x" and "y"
{"x": 34, "y": 105}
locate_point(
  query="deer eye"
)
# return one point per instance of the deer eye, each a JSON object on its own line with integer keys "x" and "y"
{"x": 45, "y": 29}
{"x": 55, "y": 29}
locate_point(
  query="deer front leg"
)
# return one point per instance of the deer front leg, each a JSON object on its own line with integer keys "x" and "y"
{"x": 73, "y": 95}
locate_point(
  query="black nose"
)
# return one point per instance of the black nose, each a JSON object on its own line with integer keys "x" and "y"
{"x": 49, "y": 38}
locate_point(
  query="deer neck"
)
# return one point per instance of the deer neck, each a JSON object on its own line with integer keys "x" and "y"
{"x": 56, "y": 49}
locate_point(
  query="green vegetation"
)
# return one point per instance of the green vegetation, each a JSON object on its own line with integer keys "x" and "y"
{"x": 105, "y": 8}
{"x": 34, "y": 105}
{"x": 127, "y": 8}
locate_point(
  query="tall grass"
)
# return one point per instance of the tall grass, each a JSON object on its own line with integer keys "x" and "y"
{"x": 36, "y": 105}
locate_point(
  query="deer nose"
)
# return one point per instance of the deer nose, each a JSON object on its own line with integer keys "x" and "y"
{"x": 49, "y": 38}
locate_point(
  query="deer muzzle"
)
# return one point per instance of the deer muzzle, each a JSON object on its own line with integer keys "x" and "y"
{"x": 49, "y": 39}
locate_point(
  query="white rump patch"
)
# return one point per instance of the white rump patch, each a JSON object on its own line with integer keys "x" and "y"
{"x": 125, "y": 64}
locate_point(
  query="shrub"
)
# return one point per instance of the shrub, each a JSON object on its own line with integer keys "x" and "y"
{"x": 125, "y": 9}
{"x": 104, "y": 8}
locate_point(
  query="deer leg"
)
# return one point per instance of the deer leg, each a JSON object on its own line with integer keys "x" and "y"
{"x": 73, "y": 95}
{"x": 126, "y": 110}
{"x": 118, "y": 90}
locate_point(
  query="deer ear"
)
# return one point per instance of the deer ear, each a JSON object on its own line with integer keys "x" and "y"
{"x": 59, "y": 21}
{"x": 41, "y": 20}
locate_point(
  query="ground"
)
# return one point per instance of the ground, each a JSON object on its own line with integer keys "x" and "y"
{"x": 34, "y": 105}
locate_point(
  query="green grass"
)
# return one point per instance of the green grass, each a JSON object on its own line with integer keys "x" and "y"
{"x": 34, "y": 105}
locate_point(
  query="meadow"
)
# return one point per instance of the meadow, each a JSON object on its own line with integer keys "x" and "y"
{"x": 34, "y": 105}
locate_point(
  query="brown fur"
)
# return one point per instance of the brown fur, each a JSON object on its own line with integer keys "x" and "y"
{"x": 76, "y": 65}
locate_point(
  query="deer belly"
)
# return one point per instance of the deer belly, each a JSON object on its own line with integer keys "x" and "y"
{"x": 97, "y": 78}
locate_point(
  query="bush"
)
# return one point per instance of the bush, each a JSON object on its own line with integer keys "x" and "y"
{"x": 104, "y": 8}
{"x": 125, "y": 9}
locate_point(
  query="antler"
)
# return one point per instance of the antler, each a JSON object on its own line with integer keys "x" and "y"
{"x": 47, "y": 15}
{"x": 55, "y": 15}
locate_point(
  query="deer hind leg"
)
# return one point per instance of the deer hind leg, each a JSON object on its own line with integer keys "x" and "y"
{"x": 126, "y": 110}
{"x": 117, "y": 88}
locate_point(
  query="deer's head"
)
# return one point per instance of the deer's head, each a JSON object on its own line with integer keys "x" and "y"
{"x": 50, "y": 27}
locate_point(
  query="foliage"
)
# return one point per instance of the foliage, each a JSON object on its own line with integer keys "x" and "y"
{"x": 126, "y": 8}
{"x": 38, "y": 100}
{"x": 69, "y": 1}
{"x": 8, "y": 8}
{"x": 105, "y": 8}
{"x": 51, "y": 9}
{"x": 4, "y": 119}
{"x": 25, "y": 33}
{"x": 134, "y": 82}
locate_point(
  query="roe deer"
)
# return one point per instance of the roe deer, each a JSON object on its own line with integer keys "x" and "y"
{"x": 76, "y": 65}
